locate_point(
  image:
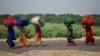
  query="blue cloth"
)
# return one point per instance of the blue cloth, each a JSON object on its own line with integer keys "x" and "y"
{"x": 19, "y": 20}
{"x": 22, "y": 22}
{"x": 11, "y": 37}
{"x": 25, "y": 22}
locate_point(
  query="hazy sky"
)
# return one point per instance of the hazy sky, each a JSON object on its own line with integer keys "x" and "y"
{"x": 81, "y": 7}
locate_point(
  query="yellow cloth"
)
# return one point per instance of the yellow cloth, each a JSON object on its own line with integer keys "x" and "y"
{"x": 22, "y": 41}
{"x": 37, "y": 40}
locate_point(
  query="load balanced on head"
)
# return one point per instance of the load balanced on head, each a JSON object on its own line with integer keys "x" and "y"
{"x": 38, "y": 22}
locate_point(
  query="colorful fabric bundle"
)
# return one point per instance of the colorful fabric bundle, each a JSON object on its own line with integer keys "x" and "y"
{"x": 38, "y": 21}
{"x": 9, "y": 21}
{"x": 68, "y": 20}
{"x": 22, "y": 41}
{"x": 21, "y": 21}
{"x": 87, "y": 20}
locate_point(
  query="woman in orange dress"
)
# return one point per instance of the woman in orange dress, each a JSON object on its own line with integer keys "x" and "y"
{"x": 21, "y": 23}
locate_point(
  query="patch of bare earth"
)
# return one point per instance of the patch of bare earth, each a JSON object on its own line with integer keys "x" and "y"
{"x": 53, "y": 53}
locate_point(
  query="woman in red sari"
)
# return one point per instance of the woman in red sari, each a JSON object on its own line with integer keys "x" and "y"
{"x": 38, "y": 22}
{"x": 87, "y": 22}
{"x": 89, "y": 34}
{"x": 37, "y": 38}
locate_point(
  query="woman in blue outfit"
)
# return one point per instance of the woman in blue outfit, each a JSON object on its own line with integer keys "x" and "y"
{"x": 11, "y": 37}
{"x": 10, "y": 22}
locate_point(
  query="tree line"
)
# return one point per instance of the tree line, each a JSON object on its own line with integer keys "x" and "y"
{"x": 53, "y": 18}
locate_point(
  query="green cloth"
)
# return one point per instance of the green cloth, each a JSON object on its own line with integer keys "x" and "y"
{"x": 68, "y": 20}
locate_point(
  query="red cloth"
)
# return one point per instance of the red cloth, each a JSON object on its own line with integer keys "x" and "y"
{"x": 89, "y": 35}
{"x": 9, "y": 22}
{"x": 87, "y": 20}
{"x": 38, "y": 31}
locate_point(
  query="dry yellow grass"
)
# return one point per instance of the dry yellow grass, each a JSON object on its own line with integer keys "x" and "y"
{"x": 53, "y": 53}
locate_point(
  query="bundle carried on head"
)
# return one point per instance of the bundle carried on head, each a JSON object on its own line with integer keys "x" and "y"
{"x": 68, "y": 20}
{"x": 22, "y": 22}
{"x": 9, "y": 21}
{"x": 87, "y": 20}
{"x": 38, "y": 21}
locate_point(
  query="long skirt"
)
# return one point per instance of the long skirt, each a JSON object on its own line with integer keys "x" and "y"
{"x": 89, "y": 38}
{"x": 22, "y": 41}
{"x": 37, "y": 39}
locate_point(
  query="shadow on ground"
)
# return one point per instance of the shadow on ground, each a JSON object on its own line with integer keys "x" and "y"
{"x": 51, "y": 45}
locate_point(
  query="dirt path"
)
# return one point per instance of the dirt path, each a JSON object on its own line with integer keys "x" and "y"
{"x": 52, "y": 47}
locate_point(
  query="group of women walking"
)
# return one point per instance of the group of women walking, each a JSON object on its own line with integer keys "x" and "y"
{"x": 20, "y": 22}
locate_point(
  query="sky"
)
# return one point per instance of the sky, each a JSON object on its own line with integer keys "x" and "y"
{"x": 81, "y": 7}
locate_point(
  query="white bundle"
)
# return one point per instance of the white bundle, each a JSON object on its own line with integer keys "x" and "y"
{"x": 38, "y": 21}
{"x": 34, "y": 20}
